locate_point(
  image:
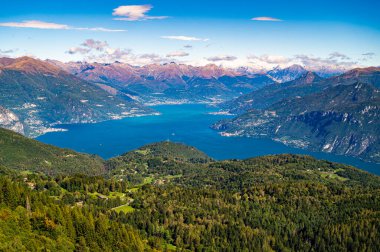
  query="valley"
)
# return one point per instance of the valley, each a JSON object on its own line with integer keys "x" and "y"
{"x": 181, "y": 126}
{"x": 284, "y": 105}
{"x": 186, "y": 123}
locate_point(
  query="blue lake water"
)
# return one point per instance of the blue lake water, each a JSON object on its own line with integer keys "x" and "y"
{"x": 187, "y": 124}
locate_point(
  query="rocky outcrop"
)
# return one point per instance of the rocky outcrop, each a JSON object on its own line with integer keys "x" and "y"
{"x": 10, "y": 120}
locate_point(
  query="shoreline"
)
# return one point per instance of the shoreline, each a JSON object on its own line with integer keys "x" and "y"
{"x": 52, "y": 128}
{"x": 312, "y": 152}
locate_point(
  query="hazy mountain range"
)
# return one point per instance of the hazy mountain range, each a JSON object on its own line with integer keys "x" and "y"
{"x": 163, "y": 83}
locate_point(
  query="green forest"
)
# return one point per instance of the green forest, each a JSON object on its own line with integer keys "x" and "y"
{"x": 172, "y": 197}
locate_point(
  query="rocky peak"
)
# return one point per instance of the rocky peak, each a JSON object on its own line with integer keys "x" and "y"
{"x": 309, "y": 77}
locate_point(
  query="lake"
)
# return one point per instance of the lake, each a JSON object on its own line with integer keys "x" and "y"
{"x": 187, "y": 124}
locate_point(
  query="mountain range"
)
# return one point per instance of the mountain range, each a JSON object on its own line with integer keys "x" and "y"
{"x": 165, "y": 83}
{"x": 338, "y": 115}
{"x": 307, "y": 83}
{"x": 36, "y": 95}
{"x": 179, "y": 83}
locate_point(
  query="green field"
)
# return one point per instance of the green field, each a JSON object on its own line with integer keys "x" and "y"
{"x": 333, "y": 176}
{"x": 124, "y": 208}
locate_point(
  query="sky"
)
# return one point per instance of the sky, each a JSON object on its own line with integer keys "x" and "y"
{"x": 240, "y": 33}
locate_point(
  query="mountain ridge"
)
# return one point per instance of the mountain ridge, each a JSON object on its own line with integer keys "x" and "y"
{"x": 43, "y": 95}
{"x": 169, "y": 82}
{"x": 341, "y": 119}
{"x": 307, "y": 83}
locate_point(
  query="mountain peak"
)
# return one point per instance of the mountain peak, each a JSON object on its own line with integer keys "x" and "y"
{"x": 309, "y": 77}
{"x": 6, "y": 61}
{"x": 296, "y": 67}
{"x": 31, "y": 65}
{"x": 287, "y": 74}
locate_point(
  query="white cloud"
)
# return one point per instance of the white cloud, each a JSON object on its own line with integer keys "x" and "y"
{"x": 222, "y": 58}
{"x": 312, "y": 62}
{"x": 148, "y": 58}
{"x": 88, "y": 45}
{"x": 184, "y": 38}
{"x": 99, "y": 51}
{"x": 134, "y": 13}
{"x": 115, "y": 54}
{"x": 98, "y": 29}
{"x": 269, "y": 59}
{"x": 335, "y": 60}
{"x": 271, "y": 19}
{"x": 95, "y": 44}
{"x": 35, "y": 24}
{"x": 177, "y": 54}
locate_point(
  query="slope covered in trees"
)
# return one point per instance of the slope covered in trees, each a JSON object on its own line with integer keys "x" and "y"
{"x": 24, "y": 154}
{"x": 171, "y": 197}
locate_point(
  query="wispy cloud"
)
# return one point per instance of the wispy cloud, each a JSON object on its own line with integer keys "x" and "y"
{"x": 97, "y": 29}
{"x": 271, "y": 19}
{"x": 80, "y": 50}
{"x": 8, "y": 51}
{"x": 222, "y": 58}
{"x": 134, "y": 13}
{"x": 116, "y": 54}
{"x": 100, "y": 51}
{"x": 150, "y": 56}
{"x": 369, "y": 54}
{"x": 88, "y": 45}
{"x": 35, "y": 24}
{"x": 177, "y": 54}
{"x": 269, "y": 59}
{"x": 95, "y": 44}
{"x": 335, "y": 60}
{"x": 338, "y": 55}
{"x": 318, "y": 62}
{"x": 184, "y": 38}
{"x": 188, "y": 46}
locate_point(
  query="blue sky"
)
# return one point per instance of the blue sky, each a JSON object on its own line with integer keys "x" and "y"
{"x": 311, "y": 33}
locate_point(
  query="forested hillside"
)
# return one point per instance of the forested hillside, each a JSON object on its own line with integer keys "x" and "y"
{"x": 172, "y": 197}
{"x": 20, "y": 153}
